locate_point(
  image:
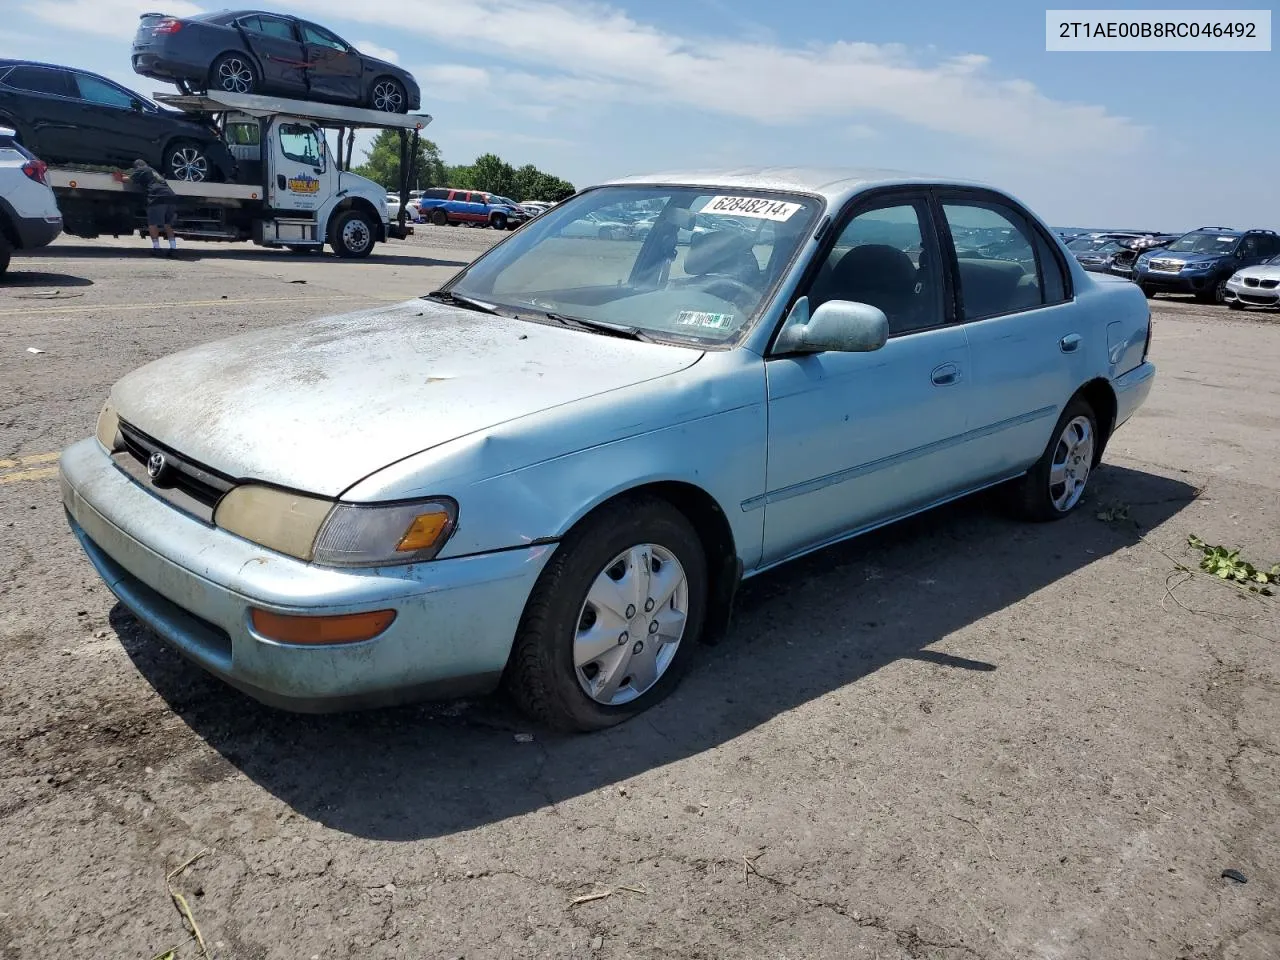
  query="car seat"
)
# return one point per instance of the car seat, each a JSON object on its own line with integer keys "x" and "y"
{"x": 722, "y": 253}
{"x": 880, "y": 275}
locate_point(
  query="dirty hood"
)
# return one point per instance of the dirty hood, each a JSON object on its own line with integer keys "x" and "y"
{"x": 320, "y": 405}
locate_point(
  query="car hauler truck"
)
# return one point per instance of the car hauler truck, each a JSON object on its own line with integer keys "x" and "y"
{"x": 290, "y": 190}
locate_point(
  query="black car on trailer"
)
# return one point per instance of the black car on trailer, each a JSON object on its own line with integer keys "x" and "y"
{"x": 252, "y": 52}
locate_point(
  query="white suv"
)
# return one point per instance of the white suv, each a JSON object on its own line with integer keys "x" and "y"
{"x": 29, "y": 215}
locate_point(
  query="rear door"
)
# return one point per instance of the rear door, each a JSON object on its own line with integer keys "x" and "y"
{"x": 48, "y": 106}
{"x": 334, "y": 70}
{"x": 278, "y": 49}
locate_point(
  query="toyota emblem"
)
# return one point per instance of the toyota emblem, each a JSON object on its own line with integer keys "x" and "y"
{"x": 156, "y": 465}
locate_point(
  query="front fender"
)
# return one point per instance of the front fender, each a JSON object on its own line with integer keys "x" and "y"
{"x": 530, "y": 480}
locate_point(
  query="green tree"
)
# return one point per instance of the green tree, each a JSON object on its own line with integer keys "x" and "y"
{"x": 382, "y": 163}
{"x": 493, "y": 175}
{"x": 460, "y": 177}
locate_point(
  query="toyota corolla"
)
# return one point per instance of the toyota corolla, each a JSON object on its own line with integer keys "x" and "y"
{"x": 556, "y": 470}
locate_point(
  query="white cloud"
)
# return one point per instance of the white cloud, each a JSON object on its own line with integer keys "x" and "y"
{"x": 108, "y": 18}
{"x": 372, "y": 49}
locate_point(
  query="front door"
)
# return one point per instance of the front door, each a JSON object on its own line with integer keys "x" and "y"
{"x": 302, "y": 176}
{"x": 334, "y": 70}
{"x": 279, "y": 51}
{"x": 856, "y": 439}
{"x": 1029, "y": 351}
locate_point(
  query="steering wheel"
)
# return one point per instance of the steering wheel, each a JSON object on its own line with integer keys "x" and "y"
{"x": 740, "y": 293}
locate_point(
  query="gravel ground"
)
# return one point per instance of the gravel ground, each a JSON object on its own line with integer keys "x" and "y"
{"x": 957, "y": 738}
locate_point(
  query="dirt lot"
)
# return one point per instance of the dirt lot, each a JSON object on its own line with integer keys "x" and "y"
{"x": 958, "y": 738}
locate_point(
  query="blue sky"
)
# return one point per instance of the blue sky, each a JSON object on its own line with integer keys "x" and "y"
{"x": 594, "y": 90}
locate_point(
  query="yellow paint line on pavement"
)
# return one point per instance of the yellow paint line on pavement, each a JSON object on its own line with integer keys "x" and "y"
{"x": 44, "y": 473}
{"x": 28, "y": 460}
{"x": 102, "y": 307}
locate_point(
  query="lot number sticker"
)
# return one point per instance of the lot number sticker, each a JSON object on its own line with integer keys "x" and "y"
{"x": 756, "y": 207}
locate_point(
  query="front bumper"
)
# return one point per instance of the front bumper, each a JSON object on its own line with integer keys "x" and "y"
{"x": 195, "y": 585}
{"x": 1238, "y": 292}
{"x": 1181, "y": 282}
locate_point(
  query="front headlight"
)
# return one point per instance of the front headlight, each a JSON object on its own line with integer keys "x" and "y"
{"x": 338, "y": 534}
{"x": 1200, "y": 265}
{"x": 108, "y": 428}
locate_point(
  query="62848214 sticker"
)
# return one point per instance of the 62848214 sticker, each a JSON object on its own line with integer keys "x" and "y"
{"x": 759, "y": 208}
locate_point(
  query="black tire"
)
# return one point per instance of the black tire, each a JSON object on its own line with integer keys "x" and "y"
{"x": 498, "y": 221}
{"x": 1147, "y": 291}
{"x": 188, "y": 161}
{"x": 439, "y": 217}
{"x": 6, "y": 254}
{"x": 541, "y": 676}
{"x": 1214, "y": 294}
{"x": 1032, "y": 493}
{"x": 388, "y": 95}
{"x": 234, "y": 73}
{"x": 352, "y": 235}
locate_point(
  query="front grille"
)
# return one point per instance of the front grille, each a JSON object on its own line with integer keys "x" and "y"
{"x": 189, "y": 486}
{"x": 1250, "y": 281}
{"x": 1269, "y": 284}
{"x": 1166, "y": 266}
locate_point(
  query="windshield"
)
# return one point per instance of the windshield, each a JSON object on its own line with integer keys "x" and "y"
{"x": 1204, "y": 243}
{"x": 672, "y": 262}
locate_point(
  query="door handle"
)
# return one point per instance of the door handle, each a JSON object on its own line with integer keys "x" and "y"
{"x": 945, "y": 374}
{"x": 1070, "y": 343}
{"x": 280, "y": 182}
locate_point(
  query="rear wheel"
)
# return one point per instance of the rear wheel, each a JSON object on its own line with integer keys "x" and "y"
{"x": 388, "y": 96}
{"x": 351, "y": 235}
{"x": 233, "y": 73}
{"x": 608, "y": 628}
{"x": 187, "y": 160}
{"x": 1055, "y": 485}
{"x": 439, "y": 217}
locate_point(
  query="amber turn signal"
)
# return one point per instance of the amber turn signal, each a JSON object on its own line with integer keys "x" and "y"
{"x": 343, "y": 628}
{"x": 423, "y": 532}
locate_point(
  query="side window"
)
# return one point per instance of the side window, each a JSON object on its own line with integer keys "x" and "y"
{"x": 314, "y": 34}
{"x": 40, "y": 80}
{"x": 300, "y": 143}
{"x": 888, "y": 257}
{"x": 99, "y": 91}
{"x": 275, "y": 27}
{"x": 242, "y": 134}
{"x": 1268, "y": 246}
{"x": 1248, "y": 247}
{"x": 1051, "y": 271}
{"x": 996, "y": 254}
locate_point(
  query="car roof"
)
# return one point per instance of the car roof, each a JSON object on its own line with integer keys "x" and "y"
{"x": 834, "y": 184}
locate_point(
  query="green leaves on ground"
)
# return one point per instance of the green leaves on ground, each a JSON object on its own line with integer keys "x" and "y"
{"x": 1226, "y": 565}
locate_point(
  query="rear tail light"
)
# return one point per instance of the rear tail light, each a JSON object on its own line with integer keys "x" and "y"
{"x": 167, "y": 25}
{"x": 36, "y": 170}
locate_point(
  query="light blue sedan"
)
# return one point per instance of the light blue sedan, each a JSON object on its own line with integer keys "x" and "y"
{"x": 556, "y": 470}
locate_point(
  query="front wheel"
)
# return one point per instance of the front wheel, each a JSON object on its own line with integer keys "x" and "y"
{"x": 351, "y": 235}
{"x": 1055, "y": 485}
{"x": 1147, "y": 290}
{"x": 388, "y": 96}
{"x": 499, "y": 222}
{"x": 608, "y": 628}
{"x": 187, "y": 161}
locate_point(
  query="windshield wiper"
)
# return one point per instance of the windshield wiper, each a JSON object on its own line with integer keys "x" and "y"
{"x": 598, "y": 326}
{"x": 454, "y": 300}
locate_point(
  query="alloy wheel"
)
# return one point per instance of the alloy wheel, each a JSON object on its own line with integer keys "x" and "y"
{"x": 1072, "y": 461}
{"x": 388, "y": 97}
{"x": 235, "y": 76}
{"x": 190, "y": 164}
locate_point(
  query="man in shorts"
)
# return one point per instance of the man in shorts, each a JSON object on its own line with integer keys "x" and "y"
{"x": 162, "y": 207}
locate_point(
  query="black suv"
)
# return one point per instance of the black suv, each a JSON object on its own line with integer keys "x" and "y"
{"x": 1202, "y": 261}
{"x": 65, "y": 115}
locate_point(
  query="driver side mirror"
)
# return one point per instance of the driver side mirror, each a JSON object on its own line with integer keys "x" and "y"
{"x": 135, "y": 105}
{"x": 840, "y": 326}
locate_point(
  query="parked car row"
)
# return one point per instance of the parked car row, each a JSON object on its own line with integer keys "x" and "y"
{"x": 1215, "y": 264}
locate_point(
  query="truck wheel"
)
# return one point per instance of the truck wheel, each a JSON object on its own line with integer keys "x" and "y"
{"x": 233, "y": 73}
{"x": 352, "y": 235}
{"x": 498, "y": 222}
{"x": 439, "y": 217}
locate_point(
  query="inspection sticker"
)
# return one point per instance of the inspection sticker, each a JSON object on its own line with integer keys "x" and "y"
{"x": 758, "y": 207}
{"x": 711, "y": 321}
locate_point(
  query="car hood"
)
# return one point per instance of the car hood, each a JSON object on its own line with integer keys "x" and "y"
{"x": 320, "y": 405}
{"x": 1263, "y": 271}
